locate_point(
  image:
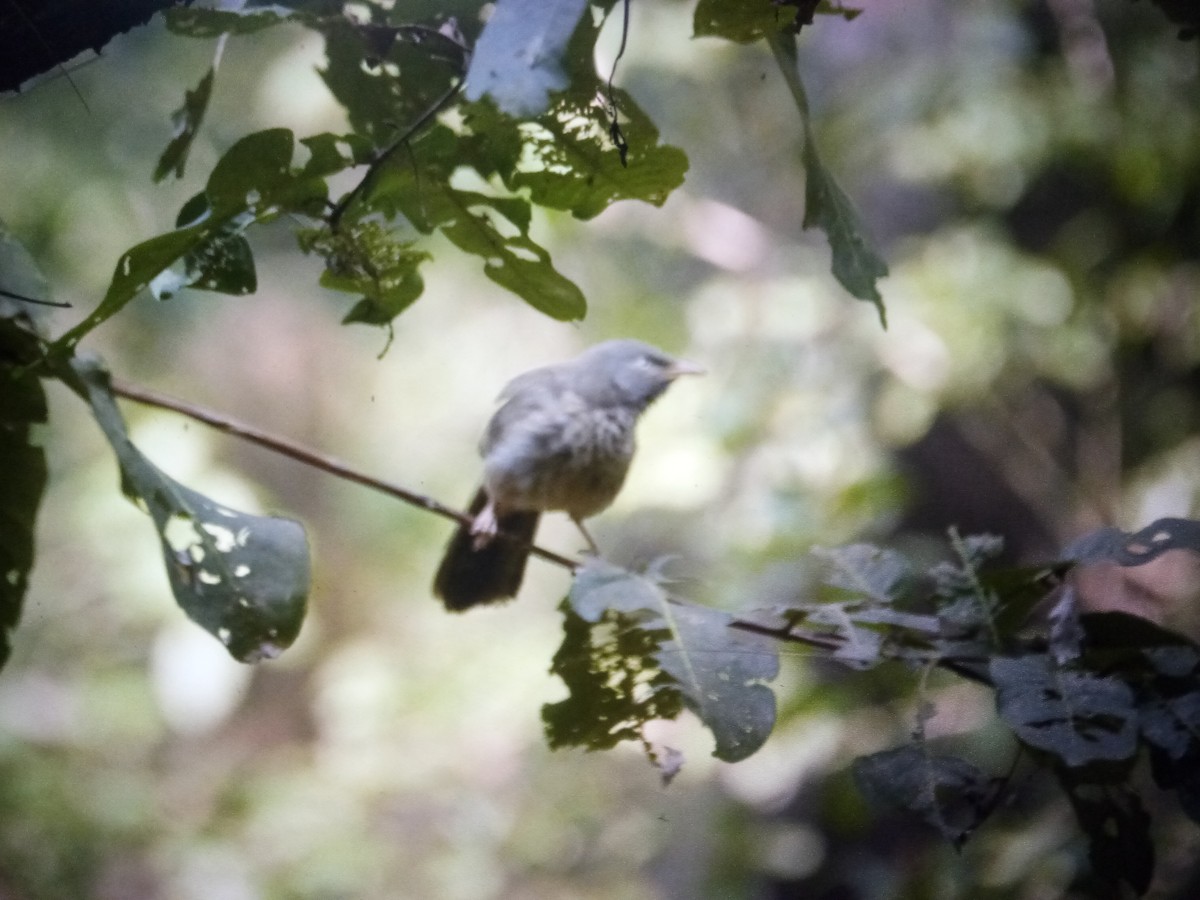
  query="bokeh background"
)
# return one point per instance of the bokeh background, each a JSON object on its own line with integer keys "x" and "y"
{"x": 1031, "y": 170}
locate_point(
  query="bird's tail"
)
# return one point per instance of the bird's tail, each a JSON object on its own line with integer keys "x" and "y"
{"x": 468, "y": 577}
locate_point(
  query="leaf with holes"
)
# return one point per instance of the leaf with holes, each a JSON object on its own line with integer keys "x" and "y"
{"x": 244, "y": 578}
{"x": 719, "y": 673}
{"x": 1076, "y": 715}
{"x": 947, "y": 792}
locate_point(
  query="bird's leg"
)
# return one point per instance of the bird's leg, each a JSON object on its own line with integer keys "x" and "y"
{"x": 592, "y": 548}
{"x": 485, "y": 527}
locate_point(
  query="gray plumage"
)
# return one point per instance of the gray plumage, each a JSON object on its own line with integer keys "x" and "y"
{"x": 562, "y": 439}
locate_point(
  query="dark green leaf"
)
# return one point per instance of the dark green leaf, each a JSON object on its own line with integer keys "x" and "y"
{"x": 518, "y": 59}
{"x": 1080, "y": 717}
{"x": 718, "y": 671}
{"x": 209, "y": 23}
{"x": 856, "y": 263}
{"x": 384, "y": 93}
{"x": 571, "y": 163}
{"x": 187, "y": 121}
{"x": 1118, "y": 831}
{"x": 253, "y": 182}
{"x": 489, "y": 227}
{"x": 22, "y": 459}
{"x": 743, "y": 21}
{"x": 244, "y": 578}
{"x": 946, "y": 792}
{"x": 615, "y": 685}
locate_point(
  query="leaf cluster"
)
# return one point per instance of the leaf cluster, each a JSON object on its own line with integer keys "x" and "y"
{"x": 1082, "y": 704}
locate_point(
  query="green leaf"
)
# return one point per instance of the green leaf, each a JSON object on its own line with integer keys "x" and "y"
{"x": 22, "y": 459}
{"x": 223, "y": 263}
{"x": 718, "y": 672}
{"x": 253, "y": 182}
{"x": 492, "y": 228}
{"x": 384, "y": 93}
{"x": 570, "y": 163}
{"x": 363, "y": 257}
{"x": 187, "y": 121}
{"x": 614, "y": 682}
{"x": 518, "y": 59}
{"x": 856, "y": 263}
{"x": 947, "y": 792}
{"x": 199, "y": 22}
{"x": 742, "y": 21}
{"x": 244, "y": 578}
{"x": 1080, "y": 717}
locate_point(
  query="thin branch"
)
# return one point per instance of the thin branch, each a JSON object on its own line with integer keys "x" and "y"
{"x": 310, "y": 457}
{"x": 964, "y": 667}
{"x": 383, "y": 157}
{"x": 970, "y": 668}
{"x": 24, "y": 299}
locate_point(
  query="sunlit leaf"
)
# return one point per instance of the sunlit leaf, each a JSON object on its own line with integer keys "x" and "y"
{"x": 717, "y": 672}
{"x": 743, "y": 21}
{"x": 518, "y": 59}
{"x": 570, "y": 163}
{"x": 200, "y": 22}
{"x": 1076, "y": 715}
{"x": 614, "y": 683}
{"x": 244, "y": 578}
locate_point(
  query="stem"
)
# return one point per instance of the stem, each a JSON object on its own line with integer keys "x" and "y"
{"x": 382, "y": 159}
{"x": 309, "y": 457}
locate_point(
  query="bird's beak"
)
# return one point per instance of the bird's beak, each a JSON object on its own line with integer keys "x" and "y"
{"x": 683, "y": 367}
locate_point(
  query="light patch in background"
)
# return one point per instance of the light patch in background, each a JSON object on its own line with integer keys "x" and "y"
{"x": 723, "y": 235}
{"x": 195, "y": 681}
{"x": 291, "y": 93}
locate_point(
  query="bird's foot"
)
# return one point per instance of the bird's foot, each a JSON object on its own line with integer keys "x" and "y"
{"x": 485, "y": 527}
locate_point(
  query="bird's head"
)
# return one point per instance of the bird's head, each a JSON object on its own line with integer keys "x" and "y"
{"x": 630, "y": 372}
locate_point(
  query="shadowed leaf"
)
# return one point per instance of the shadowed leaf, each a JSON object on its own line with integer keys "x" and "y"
{"x": 243, "y": 577}
{"x": 1080, "y": 717}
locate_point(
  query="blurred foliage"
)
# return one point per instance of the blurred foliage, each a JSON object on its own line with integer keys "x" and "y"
{"x": 1030, "y": 174}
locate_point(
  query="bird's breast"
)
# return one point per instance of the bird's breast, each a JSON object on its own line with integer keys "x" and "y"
{"x": 564, "y": 456}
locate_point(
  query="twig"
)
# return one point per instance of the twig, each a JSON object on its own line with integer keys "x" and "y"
{"x": 383, "y": 157}
{"x": 24, "y": 299}
{"x": 969, "y": 668}
{"x": 309, "y": 457}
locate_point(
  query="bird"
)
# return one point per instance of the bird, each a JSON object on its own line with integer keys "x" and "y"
{"x": 562, "y": 439}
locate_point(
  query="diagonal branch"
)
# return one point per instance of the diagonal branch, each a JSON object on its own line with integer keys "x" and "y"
{"x": 309, "y": 457}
